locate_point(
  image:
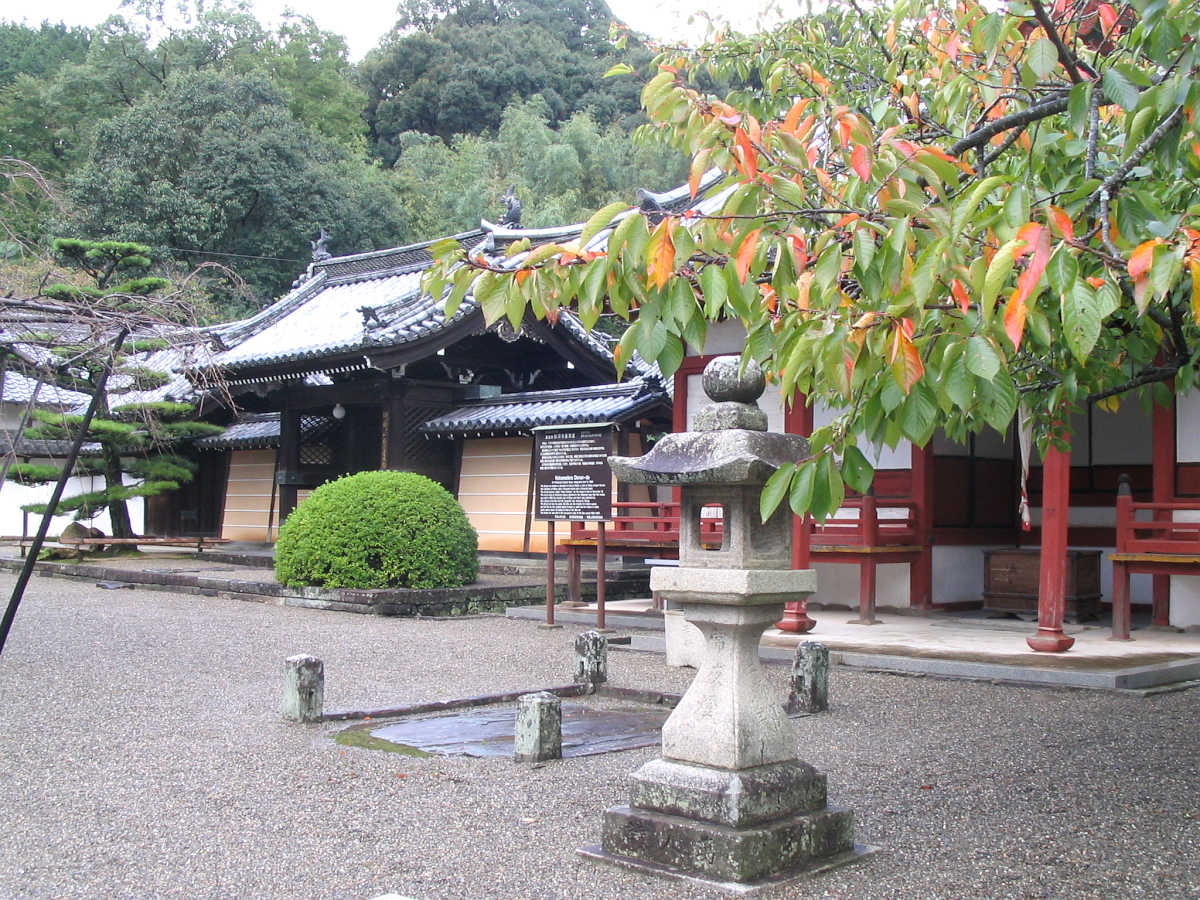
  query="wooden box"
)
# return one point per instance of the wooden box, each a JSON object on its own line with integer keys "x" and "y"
{"x": 1010, "y": 581}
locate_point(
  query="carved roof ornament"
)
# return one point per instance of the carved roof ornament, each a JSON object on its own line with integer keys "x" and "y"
{"x": 320, "y": 247}
{"x": 512, "y": 208}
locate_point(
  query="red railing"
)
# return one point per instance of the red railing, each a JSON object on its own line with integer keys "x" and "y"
{"x": 862, "y": 521}
{"x": 1152, "y": 527}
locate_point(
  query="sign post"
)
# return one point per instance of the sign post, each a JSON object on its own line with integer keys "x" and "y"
{"x": 572, "y": 482}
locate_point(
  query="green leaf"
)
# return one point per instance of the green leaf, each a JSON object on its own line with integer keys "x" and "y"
{"x": 958, "y": 384}
{"x": 712, "y": 284}
{"x": 857, "y": 472}
{"x": 1081, "y": 321}
{"x": 1077, "y": 107}
{"x": 599, "y": 221}
{"x": 919, "y": 414}
{"x": 998, "y": 401}
{"x": 619, "y": 69}
{"x": 514, "y": 306}
{"x": 1062, "y": 270}
{"x": 998, "y": 271}
{"x": 670, "y": 356}
{"x": 774, "y": 490}
{"x": 800, "y": 496}
{"x": 982, "y": 358}
{"x": 1043, "y": 58}
{"x": 1120, "y": 89}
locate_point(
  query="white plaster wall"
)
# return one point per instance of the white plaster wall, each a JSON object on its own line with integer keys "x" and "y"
{"x": 722, "y": 337}
{"x": 1103, "y": 516}
{"x": 837, "y": 585}
{"x": 13, "y": 496}
{"x": 1187, "y": 427}
{"x": 1185, "y": 601}
{"x": 770, "y": 402}
{"x": 958, "y": 574}
{"x": 1125, "y": 437}
{"x": 882, "y": 458}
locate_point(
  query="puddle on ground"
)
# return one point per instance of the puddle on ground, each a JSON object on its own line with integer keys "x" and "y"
{"x": 488, "y": 731}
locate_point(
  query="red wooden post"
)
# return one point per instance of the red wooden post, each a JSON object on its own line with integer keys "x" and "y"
{"x": 798, "y": 419}
{"x": 1121, "y": 613}
{"x": 1052, "y": 582}
{"x": 574, "y": 576}
{"x": 550, "y": 572}
{"x": 920, "y": 573}
{"x": 868, "y": 524}
{"x": 1163, "y": 459}
{"x": 600, "y": 586}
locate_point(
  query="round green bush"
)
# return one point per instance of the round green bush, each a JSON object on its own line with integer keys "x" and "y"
{"x": 378, "y": 530}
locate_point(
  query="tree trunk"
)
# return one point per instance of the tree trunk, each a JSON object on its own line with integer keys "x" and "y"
{"x": 118, "y": 510}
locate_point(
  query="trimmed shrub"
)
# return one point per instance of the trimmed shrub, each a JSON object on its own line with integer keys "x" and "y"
{"x": 378, "y": 530}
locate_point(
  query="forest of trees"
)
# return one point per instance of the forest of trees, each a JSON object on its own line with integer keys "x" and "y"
{"x": 226, "y": 141}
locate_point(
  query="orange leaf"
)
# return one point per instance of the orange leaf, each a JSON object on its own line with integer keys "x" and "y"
{"x": 1108, "y": 17}
{"x": 907, "y": 367}
{"x": 860, "y": 162}
{"x": 960, "y": 295}
{"x": 844, "y": 125}
{"x": 847, "y": 219}
{"x": 747, "y": 156}
{"x": 849, "y": 367}
{"x": 753, "y": 129}
{"x": 1062, "y": 222}
{"x": 1095, "y": 282}
{"x": 522, "y": 274}
{"x": 1141, "y": 258}
{"x": 793, "y": 117}
{"x": 660, "y": 254}
{"x": 1014, "y": 319}
{"x": 769, "y": 297}
{"x": 803, "y": 286}
{"x": 801, "y": 252}
{"x": 745, "y": 254}
{"x": 865, "y": 320}
{"x": 1029, "y": 233}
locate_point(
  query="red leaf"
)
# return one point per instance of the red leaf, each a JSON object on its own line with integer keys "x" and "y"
{"x": 1037, "y": 240}
{"x": 960, "y": 295}
{"x": 860, "y": 162}
{"x": 745, "y": 254}
{"x": 1108, "y": 18}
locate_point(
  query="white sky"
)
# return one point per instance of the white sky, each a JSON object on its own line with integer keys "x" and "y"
{"x": 363, "y": 22}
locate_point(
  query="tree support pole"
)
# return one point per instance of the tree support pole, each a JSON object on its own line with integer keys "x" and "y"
{"x": 52, "y": 506}
{"x": 1052, "y": 582}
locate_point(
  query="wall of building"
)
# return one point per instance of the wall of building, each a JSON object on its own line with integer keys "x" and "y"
{"x": 1185, "y": 589}
{"x": 248, "y": 497}
{"x": 493, "y": 487}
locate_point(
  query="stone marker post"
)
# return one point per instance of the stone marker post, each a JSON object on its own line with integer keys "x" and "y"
{"x": 303, "y": 688}
{"x": 538, "y": 732}
{"x": 591, "y": 659}
{"x": 728, "y": 802}
{"x": 810, "y": 679}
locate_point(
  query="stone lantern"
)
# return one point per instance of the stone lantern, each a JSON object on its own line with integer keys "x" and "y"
{"x": 728, "y": 801}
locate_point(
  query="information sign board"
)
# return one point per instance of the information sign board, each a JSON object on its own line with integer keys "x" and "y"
{"x": 571, "y": 473}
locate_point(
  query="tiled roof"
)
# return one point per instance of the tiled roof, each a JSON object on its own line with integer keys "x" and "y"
{"x": 18, "y": 388}
{"x": 257, "y": 431}
{"x": 518, "y": 413}
{"x": 250, "y": 432}
{"x": 347, "y": 304}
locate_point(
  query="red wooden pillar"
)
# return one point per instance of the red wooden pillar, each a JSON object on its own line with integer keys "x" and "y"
{"x": 1052, "y": 582}
{"x": 1163, "y": 430}
{"x": 920, "y": 573}
{"x": 798, "y": 419}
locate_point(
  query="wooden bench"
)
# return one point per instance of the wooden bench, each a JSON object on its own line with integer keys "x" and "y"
{"x": 1155, "y": 544}
{"x": 81, "y": 544}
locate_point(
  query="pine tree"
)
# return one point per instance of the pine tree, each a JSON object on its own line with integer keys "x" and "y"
{"x": 137, "y": 437}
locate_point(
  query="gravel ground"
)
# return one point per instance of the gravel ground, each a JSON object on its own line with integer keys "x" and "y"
{"x": 142, "y": 755}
